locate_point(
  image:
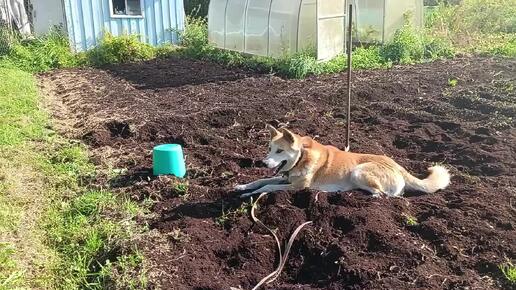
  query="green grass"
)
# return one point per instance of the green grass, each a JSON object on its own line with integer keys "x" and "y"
{"x": 10, "y": 276}
{"x": 56, "y": 232}
{"x": 509, "y": 272}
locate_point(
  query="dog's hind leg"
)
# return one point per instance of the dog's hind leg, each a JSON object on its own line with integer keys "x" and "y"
{"x": 260, "y": 183}
{"x": 377, "y": 179}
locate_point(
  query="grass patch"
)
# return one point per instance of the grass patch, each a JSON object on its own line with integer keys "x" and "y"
{"x": 10, "y": 276}
{"x": 56, "y": 232}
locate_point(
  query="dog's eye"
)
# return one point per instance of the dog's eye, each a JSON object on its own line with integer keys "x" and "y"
{"x": 279, "y": 151}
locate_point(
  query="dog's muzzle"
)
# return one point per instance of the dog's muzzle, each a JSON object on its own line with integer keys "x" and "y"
{"x": 280, "y": 166}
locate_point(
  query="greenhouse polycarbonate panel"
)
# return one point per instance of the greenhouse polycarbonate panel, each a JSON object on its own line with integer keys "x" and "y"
{"x": 331, "y": 15}
{"x": 331, "y": 8}
{"x": 257, "y": 27}
{"x": 216, "y": 30}
{"x": 369, "y": 21}
{"x": 394, "y": 16}
{"x": 418, "y": 16}
{"x": 307, "y": 34}
{"x": 283, "y": 27}
{"x": 235, "y": 14}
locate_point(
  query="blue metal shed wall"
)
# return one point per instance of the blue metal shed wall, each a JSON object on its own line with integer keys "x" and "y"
{"x": 87, "y": 20}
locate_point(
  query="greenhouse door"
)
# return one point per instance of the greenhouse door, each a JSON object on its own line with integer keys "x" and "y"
{"x": 331, "y": 23}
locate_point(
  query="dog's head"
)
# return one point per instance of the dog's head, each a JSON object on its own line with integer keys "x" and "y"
{"x": 284, "y": 149}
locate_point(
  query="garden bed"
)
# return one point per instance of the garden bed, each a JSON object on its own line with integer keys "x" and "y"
{"x": 457, "y": 112}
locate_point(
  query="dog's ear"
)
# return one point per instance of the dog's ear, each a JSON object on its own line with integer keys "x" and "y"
{"x": 289, "y": 136}
{"x": 274, "y": 132}
{"x": 307, "y": 142}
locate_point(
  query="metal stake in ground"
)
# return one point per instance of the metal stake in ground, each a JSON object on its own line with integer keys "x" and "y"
{"x": 349, "y": 46}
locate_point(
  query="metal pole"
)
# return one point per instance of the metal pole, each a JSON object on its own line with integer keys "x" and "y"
{"x": 350, "y": 41}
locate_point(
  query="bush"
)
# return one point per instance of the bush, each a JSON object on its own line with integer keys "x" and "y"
{"x": 297, "y": 65}
{"x": 42, "y": 54}
{"x": 476, "y": 16}
{"x": 120, "y": 49}
{"x": 406, "y": 47}
{"x": 195, "y": 37}
{"x": 369, "y": 58}
{"x": 436, "y": 47}
{"x": 477, "y": 26}
{"x": 502, "y": 45}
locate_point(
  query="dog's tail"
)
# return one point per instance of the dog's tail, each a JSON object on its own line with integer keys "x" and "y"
{"x": 439, "y": 178}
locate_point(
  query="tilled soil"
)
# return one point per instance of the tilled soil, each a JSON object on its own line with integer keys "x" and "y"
{"x": 204, "y": 238}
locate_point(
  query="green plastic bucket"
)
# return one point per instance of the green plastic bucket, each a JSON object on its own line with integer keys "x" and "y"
{"x": 168, "y": 159}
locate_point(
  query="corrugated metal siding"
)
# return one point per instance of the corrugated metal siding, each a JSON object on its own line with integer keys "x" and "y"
{"x": 87, "y": 20}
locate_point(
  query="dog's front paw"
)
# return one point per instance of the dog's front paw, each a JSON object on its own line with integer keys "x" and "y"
{"x": 244, "y": 195}
{"x": 240, "y": 187}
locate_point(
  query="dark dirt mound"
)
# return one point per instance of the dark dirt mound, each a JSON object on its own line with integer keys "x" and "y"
{"x": 453, "y": 239}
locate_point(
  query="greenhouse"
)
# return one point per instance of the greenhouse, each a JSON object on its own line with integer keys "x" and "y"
{"x": 277, "y": 27}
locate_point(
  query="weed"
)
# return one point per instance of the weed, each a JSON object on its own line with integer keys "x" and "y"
{"x": 227, "y": 216}
{"x": 406, "y": 47}
{"x": 128, "y": 272}
{"x": 437, "y": 47}
{"x": 452, "y": 82}
{"x": 508, "y": 271}
{"x": 410, "y": 220}
{"x": 180, "y": 189}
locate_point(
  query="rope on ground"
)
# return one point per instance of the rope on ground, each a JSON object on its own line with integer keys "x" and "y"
{"x": 282, "y": 256}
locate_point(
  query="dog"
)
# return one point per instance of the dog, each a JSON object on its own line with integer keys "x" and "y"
{"x": 300, "y": 162}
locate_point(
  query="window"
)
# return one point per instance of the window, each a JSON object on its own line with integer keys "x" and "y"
{"x": 126, "y": 7}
